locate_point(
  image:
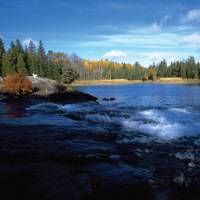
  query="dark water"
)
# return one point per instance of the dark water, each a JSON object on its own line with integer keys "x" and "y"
{"x": 145, "y": 112}
{"x": 148, "y": 140}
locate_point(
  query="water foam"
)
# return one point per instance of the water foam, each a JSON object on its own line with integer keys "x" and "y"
{"x": 179, "y": 110}
{"x": 161, "y": 125}
{"x": 44, "y": 107}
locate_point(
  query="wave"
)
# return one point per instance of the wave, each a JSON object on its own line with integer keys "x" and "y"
{"x": 179, "y": 110}
{"x": 45, "y": 107}
{"x": 159, "y": 123}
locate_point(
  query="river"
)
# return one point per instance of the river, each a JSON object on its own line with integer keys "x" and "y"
{"x": 164, "y": 112}
{"x": 147, "y": 139}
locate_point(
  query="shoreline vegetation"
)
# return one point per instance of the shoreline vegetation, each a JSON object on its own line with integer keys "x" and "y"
{"x": 33, "y": 59}
{"x": 125, "y": 81}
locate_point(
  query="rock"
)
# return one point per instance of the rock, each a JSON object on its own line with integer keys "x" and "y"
{"x": 191, "y": 164}
{"x": 197, "y": 142}
{"x": 147, "y": 151}
{"x": 179, "y": 179}
{"x": 46, "y": 86}
{"x": 118, "y": 181}
{"x": 68, "y": 97}
{"x": 115, "y": 157}
{"x": 50, "y": 90}
{"x": 109, "y": 98}
{"x": 75, "y": 116}
{"x": 185, "y": 156}
{"x": 85, "y": 149}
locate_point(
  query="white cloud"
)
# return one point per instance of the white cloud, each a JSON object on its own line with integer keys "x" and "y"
{"x": 193, "y": 16}
{"x": 146, "y": 58}
{"x": 115, "y": 54}
{"x": 192, "y": 40}
{"x": 155, "y": 27}
{"x": 26, "y": 42}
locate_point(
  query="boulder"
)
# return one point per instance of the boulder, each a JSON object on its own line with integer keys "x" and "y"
{"x": 49, "y": 90}
{"x": 46, "y": 86}
{"x": 70, "y": 96}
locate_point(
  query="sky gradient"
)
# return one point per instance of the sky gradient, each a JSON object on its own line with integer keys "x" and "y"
{"x": 121, "y": 30}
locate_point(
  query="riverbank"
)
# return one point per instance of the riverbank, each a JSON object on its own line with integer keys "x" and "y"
{"x": 125, "y": 81}
{"x": 47, "y": 90}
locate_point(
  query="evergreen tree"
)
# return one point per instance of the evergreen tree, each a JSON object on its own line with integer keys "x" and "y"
{"x": 7, "y": 67}
{"x": 21, "y": 66}
{"x": 31, "y": 47}
{"x": 69, "y": 76}
{"x": 18, "y": 47}
{"x": 42, "y": 60}
{"x": 32, "y": 59}
{"x": 183, "y": 71}
{"x": 162, "y": 69}
{"x": 2, "y": 51}
{"x": 13, "y": 55}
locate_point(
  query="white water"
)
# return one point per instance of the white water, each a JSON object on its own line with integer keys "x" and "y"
{"x": 164, "y": 124}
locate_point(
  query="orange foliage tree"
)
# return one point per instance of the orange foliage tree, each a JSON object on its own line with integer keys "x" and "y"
{"x": 17, "y": 84}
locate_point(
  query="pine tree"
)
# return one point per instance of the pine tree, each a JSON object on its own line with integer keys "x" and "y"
{"x": 21, "y": 66}
{"x": 7, "y": 67}
{"x": 42, "y": 60}
{"x": 183, "y": 71}
{"x": 31, "y": 47}
{"x": 162, "y": 69}
{"x": 69, "y": 75}
{"x": 18, "y": 47}
{"x": 13, "y": 55}
{"x": 32, "y": 59}
{"x": 2, "y": 51}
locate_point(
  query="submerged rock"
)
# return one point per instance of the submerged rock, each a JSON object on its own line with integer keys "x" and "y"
{"x": 109, "y": 99}
{"x": 72, "y": 96}
{"x": 185, "y": 156}
{"x": 75, "y": 116}
{"x": 191, "y": 164}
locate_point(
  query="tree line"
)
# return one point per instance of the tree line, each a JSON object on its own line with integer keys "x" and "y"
{"x": 33, "y": 59}
{"x": 187, "y": 69}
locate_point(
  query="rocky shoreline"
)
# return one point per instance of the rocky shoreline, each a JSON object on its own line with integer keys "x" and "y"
{"x": 48, "y": 91}
{"x": 80, "y": 163}
{"x": 49, "y": 162}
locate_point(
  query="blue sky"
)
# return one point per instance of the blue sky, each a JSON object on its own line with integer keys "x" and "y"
{"x": 121, "y": 30}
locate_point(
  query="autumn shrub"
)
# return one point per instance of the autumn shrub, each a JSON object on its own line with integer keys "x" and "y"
{"x": 17, "y": 84}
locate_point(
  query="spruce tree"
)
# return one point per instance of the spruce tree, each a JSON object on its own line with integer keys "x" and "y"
{"x": 2, "y": 51}
{"x": 32, "y": 59}
{"x": 42, "y": 60}
{"x": 21, "y": 66}
{"x": 7, "y": 67}
{"x": 18, "y": 47}
{"x": 69, "y": 75}
{"x": 13, "y": 55}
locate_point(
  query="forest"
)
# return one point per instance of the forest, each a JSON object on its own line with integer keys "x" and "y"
{"x": 33, "y": 59}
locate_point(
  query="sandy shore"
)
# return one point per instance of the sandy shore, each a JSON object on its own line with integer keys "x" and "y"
{"x": 125, "y": 81}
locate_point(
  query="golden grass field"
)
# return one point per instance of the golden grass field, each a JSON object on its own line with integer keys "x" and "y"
{"x": 125, "y": 81}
